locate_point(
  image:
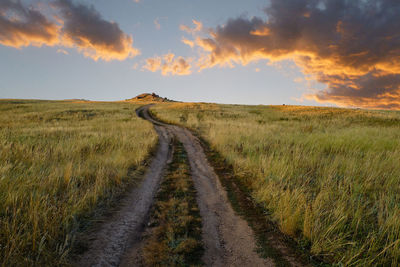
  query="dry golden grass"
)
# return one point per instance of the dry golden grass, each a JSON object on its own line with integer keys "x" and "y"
{"x": 330, "y": 177}
{"x": 59, "y": 163}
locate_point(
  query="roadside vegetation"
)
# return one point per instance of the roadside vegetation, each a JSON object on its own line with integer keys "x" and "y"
{"x": 174, "y": 238}
{"x": 329, "y": 177}
{"x": 61, "y": 162}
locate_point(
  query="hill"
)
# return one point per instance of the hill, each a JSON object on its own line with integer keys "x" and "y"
{"x": 146, "y": 97}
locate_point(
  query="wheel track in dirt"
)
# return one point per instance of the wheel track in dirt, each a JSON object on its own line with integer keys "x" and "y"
{"x": 123, "y": 230}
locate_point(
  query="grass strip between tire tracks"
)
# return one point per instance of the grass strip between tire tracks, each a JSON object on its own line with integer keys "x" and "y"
{"x": 174, "y": 237}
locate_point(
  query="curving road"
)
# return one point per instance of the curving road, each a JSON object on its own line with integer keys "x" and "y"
{"x": 228, "y": 240}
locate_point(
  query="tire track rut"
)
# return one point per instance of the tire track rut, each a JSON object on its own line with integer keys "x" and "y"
{"x": 123, "y": 230}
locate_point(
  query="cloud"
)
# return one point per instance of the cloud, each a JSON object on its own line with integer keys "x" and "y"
{"x": 62, "y": 51}
{"x": 21, "y": 26}
{"x": 188, "y": 42}
{"x": 157, "y": 22}
{"x": 351, "y": 46}
{"x": 72, "y": 25}
{"x": 153, "y": 64}
{"x": 169, "y": 65}
{"x": 198, "y": 26}
{"x": 85, "y": 29}
{"x": 135, "y": 66}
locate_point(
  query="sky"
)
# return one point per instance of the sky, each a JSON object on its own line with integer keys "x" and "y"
{"x": 302, "y": 52}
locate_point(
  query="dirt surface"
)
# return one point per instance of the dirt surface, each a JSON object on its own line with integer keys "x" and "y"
{"x": 124, "y": 229}
{"x": 228, "y": 240}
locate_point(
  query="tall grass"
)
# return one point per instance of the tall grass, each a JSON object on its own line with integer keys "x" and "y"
{"x": 59, "y": 162}
{"x": 330, "y": 177}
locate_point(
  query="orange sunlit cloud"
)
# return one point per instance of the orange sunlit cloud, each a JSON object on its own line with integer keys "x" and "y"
{"x": 359, "y": 63}
{"x": 22, "y": 27}
{"x": 263, "y": 31}
{"x": 76, "y": 26}
{"x": 198, "y": 26}
{"x": 188, "y": 42}
{"x": 169, "y": 65}
{"x": 62, "y": 51}
{"x": 85, "y": 29}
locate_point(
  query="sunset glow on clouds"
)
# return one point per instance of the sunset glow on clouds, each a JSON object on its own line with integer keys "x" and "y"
{"x": 86, "y": 30}
{"x": 21, "y": 26}
{"x": 168, "y": 65}
{"x": 350, "y": 47}
{"x": 76, "y": 26}
{"x": 198, "y": 27}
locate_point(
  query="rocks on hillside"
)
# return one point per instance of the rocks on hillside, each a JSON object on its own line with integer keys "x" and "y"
{"x": 146, "y": 97}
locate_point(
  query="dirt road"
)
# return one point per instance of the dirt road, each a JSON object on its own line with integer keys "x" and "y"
{"x": 228, "y": 240}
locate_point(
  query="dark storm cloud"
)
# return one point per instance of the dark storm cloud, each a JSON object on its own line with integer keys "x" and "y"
{"x": 351, "y": 46}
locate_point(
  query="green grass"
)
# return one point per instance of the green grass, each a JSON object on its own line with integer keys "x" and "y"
{"x": 329, "y": 177}
{"x": 175, "y": 236}
{"x": 60, "y": 163}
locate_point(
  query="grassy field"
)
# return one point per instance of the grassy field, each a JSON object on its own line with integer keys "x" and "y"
{"x": 329, "y": 177}
{"x": 60, "y": 163}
